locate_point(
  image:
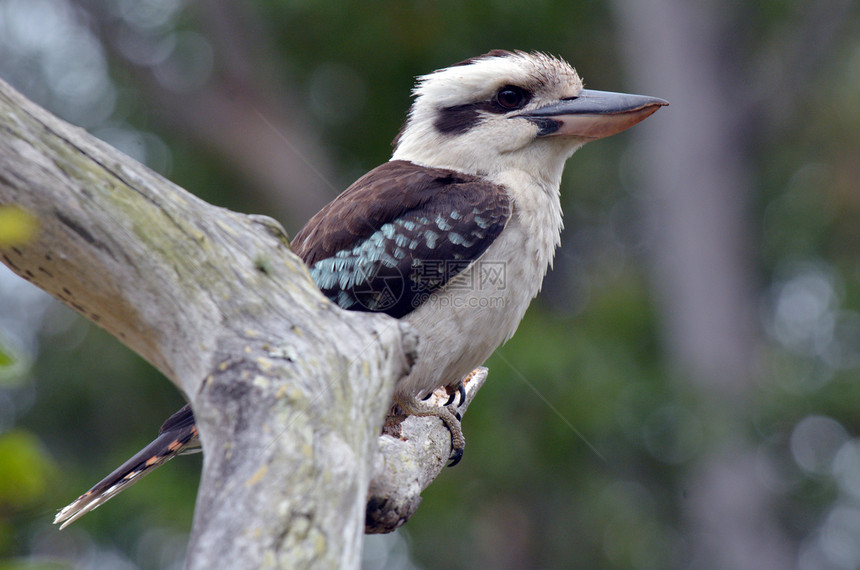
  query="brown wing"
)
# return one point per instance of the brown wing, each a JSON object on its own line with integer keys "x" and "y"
{"x": 399, "y": 233}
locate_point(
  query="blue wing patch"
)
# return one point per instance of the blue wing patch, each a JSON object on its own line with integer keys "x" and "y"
{"x": 400, "y": 233}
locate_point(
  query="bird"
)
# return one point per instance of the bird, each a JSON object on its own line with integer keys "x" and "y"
{"x": 454, "y": 234}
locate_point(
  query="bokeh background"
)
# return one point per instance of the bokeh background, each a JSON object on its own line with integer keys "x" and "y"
{"x": 685, "y": 392}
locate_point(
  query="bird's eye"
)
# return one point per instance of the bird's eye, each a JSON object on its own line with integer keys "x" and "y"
{"x": 510, "y": 98}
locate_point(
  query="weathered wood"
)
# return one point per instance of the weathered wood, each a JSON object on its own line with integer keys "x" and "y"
{"x": 288, "y": 390}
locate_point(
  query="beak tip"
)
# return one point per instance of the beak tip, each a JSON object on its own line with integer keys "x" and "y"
{"x": 655, "y": 102}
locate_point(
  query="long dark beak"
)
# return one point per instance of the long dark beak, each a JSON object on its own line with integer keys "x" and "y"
{"x": 593, "y": 114}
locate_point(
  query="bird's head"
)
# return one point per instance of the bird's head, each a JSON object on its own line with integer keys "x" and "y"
{"x": 510, "y": 110}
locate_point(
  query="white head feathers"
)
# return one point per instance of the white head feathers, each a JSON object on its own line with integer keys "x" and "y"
{"x": 479, "y": 78}
{"x": 456, "y": 122}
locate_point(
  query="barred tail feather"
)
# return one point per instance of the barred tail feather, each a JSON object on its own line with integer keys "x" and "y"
{"x": 177, "y": 436}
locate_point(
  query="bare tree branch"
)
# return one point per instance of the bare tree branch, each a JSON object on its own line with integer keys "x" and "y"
{"x": 289, "y": 391}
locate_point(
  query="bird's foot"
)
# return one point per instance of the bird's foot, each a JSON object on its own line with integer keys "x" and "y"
{"x": 415, "y": 407}
{"x": 460, "y": 389}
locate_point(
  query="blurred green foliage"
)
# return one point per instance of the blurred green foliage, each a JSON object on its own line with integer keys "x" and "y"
{"x": 25, "y": 474}
{"x": 580, "y": 443}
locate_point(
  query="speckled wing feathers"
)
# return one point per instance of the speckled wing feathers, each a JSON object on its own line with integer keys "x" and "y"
{"x": 400, "y": 233}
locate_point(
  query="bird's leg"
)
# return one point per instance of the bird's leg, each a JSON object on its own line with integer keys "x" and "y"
{"x": 414, "y": 407}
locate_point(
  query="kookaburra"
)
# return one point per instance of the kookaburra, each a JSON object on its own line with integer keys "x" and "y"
{"x": 454, "y": 234}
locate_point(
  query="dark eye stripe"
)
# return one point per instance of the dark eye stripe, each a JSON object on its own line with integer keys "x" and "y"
{"x": 461, "y": 118}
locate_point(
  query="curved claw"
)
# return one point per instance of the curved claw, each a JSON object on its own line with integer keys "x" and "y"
{"x": 451, "y": 398}
{"x": 460, "y": 389}
{"x": 455, "y": 458}
{"x": 451, "y": 419}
